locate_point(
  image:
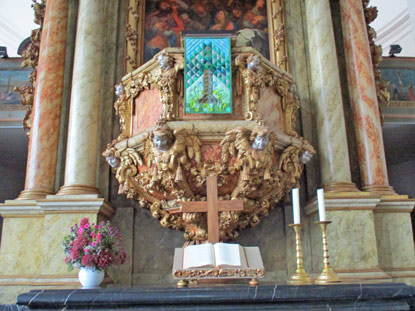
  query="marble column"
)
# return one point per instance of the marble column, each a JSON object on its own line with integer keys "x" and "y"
{"x": 369, "y": 140}
{"x": 46, "y": 115}
{"x": 327, "y": 98}
{"x": 83, "y": 131}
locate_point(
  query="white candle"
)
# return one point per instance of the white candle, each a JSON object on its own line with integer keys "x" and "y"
{"x": 321, "y": 206}
{"x": 296, "y": 206}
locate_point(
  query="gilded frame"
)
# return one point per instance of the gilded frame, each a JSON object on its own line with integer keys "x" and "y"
{"x": 134, "y": 32}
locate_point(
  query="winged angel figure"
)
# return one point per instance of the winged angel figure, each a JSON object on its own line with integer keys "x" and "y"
{"x": 166, "y": 154}
{"x": 264, "y": 170}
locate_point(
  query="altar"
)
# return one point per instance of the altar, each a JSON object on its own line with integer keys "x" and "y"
{"x": 357, "y": 297}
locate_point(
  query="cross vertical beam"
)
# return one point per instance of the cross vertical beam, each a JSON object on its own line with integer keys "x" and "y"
{"x": 212, "y": 209}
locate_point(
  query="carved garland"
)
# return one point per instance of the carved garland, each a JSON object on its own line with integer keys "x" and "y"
{"x": 200, "y": 273}
{"x": 160, "y": 180}
{"x": 277, "y": 24}
{"x": 383, "y": 95}
{"x": 132, "y": 37}
{"x": 169, "y": 80}
{"x": 253, "y": 77}
{"x": 31, "y": 58}
{"x": 166, "y": 80}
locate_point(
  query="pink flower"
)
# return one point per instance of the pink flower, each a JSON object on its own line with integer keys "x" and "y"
{"x": 88, "y": 261}
{"x": 75, "y": 253}
{"x": 80, "y": 242}
{"x": 104, "y": 260}
{"x": 84, "y": 245}
{"x": 84, "y": 221}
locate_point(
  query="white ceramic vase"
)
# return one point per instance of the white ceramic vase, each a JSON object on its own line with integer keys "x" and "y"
{"x": 90, "y": 278}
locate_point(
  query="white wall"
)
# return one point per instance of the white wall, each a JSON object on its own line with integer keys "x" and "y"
{"x": 16, "y": 23}
{"x": 395, "y": 24}
{"x": 402, "y": 176}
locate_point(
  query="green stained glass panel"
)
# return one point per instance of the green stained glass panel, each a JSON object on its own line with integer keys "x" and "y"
{"x": 208, "y": 75}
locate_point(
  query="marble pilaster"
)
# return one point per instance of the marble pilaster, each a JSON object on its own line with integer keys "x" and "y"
{"x": 44, "y": 138}
{"x": 35, "y": 229}
{"x": 297, "y": 62}
{"x": 84, "y": 116}
{"x": 394, "y": 237}
{"x": 369, "y": 140}
{"x": 327, "y": 99}
{"x": 351, "y": 237}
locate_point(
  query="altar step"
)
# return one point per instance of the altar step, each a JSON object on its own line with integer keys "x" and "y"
{"x": 345, "y": 297}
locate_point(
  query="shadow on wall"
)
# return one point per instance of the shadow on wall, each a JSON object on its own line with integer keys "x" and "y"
{"x": 400, "y": 156}
{"x": 13, "y": 157}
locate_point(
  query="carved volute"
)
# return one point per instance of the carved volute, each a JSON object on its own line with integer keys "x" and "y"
{"x": 163, "y": 155}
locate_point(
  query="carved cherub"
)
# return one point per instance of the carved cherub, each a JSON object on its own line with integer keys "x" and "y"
{"x": 165, "y": 61}
{"x": 166, "y": 152}
{"x": 253, "y": 62}
{"x": 167, "y": 82}
{"x": 124, "y": 163}
{"x": 292, "y": 162}
{"x": 253, "y": 79}
{"x": 119, "y": 90}
{"x": 254, "y": 155}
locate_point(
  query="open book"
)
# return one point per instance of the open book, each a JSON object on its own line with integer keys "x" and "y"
{"x": 220, "y": 255}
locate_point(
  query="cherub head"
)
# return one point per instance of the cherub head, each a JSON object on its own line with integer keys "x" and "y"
{"x": 306, "y": 156}
{"x": 110, "y": 157}
{"x": 162, "y": 139}
{"x": 260, "y": 137}
{"x": 112, "y": 161}
{"x": 293, "y": 89}
{"x": 253, "y": 62}
{"x": 165, "y": 61}
{"x": 119, "y": 90}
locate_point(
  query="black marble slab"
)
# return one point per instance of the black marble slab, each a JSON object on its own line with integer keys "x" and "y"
{"x": 379, "y": 297}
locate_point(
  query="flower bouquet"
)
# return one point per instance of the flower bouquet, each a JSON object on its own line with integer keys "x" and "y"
{"x": 92, "y": 248}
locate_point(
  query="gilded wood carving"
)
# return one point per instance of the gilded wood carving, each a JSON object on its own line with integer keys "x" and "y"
{"x": 382, "y": 92}
{"x": 31, "y": 58}
{"x": 168, "y": 162}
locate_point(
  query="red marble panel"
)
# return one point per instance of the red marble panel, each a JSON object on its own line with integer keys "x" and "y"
{"x": 147, "y": 110}
{"x": 363, "y": 95}
{"x": 270, "y": 108}
{"x": 212, "y": 153}
{"x": 43, "y": 144}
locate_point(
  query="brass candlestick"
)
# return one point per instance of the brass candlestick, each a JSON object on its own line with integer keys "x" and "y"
{"x": 300, "y": 277}
{"x": 327, "y": 276}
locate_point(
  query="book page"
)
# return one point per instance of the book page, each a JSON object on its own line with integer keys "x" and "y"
{"x": 253, "y": 257}
{"x": 244, "y": 259}
{"x": 196, "y": 256}
{"x": 228, "y": 255}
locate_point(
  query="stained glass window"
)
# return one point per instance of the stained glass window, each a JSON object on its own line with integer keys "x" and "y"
{"x": 208, "y": 75}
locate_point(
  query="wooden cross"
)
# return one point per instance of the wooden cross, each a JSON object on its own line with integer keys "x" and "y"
{"x": 212, "y": 206}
